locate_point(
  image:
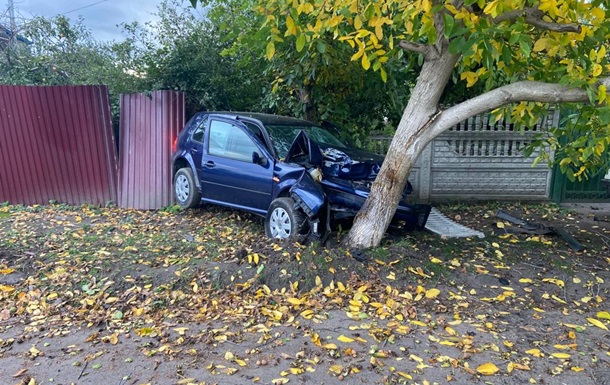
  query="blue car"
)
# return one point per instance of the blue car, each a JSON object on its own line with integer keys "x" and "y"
{"x": 296, "y": 174}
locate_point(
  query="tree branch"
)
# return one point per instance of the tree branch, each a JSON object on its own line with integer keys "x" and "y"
{"x": 523, "y": 91}
{"x": 415, "y": 47}
{"x": 535, "y": 17}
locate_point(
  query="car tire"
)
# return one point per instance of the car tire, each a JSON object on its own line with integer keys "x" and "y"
{"x": 283, "y": 220}
{"x": 186, "y": 193}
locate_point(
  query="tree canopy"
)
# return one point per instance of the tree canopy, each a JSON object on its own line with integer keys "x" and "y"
{"x": 526, "y": 54}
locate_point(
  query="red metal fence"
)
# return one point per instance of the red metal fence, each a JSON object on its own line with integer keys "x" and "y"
{"x": 148, "y": 126}
{"x": 56, "y": 143}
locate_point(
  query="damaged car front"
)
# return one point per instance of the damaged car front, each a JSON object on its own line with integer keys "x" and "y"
{"x": 337, "y": 180}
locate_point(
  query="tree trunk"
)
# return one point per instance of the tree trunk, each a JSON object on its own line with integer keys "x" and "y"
{"x": 412, "y": 136}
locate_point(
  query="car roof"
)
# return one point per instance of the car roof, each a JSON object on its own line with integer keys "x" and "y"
{"x": 266, "y": 119}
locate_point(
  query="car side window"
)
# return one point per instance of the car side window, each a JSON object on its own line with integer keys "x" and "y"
{"x": 200, "y": 130}
{"x": 230, "y": 141}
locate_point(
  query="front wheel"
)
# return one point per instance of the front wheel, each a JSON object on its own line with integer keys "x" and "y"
{"x": 284, "y": 220}
{"x": 185, "y": 191}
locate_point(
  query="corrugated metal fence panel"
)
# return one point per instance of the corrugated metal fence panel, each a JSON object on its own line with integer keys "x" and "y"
{"x": 149, "y": 124}
{"x": 56, "y": 143}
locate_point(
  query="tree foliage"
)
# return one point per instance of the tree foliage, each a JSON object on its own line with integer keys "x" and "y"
{"x": 185, "y": 52}
{"x": 523, "y": 54}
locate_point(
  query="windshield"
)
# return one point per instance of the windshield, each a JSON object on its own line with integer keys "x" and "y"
{"x": 283, "y": 136}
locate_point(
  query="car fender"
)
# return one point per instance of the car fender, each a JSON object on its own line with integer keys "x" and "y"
{"x": 308, "y": 194}
{"x": 185, "y": 156}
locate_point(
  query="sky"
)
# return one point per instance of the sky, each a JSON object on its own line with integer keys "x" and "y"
{"x": 100, "y": 16}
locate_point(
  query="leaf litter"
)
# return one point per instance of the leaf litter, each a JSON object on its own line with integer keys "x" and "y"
{"x": 198, "y": 297}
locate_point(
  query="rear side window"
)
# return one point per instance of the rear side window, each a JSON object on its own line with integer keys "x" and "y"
{"x": 230, "y": 141}
{"x": 200, "y": 129}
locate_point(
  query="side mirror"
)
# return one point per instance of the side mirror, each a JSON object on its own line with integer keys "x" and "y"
{"x": 258, "y": 159}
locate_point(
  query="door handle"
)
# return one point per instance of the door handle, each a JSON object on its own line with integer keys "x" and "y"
{"x": 194, "y": 150}
{"x": 209, "y": 164}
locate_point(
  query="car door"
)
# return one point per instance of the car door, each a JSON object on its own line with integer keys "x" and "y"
{"x": 229, "y": 175}
{"x": 196, "y": 148}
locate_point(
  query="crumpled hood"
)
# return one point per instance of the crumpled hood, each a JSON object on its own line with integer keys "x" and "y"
{"x": 348, "y": 163}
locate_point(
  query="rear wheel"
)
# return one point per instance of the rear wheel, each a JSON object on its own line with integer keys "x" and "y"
{"x": 284, "y": 220}
{"x": 185, "y": 191}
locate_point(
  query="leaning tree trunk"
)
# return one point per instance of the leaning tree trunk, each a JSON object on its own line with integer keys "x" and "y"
{"x": 409, "y": 141}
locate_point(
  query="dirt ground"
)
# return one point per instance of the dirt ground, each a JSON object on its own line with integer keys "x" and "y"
{"x": 92, "y": 295}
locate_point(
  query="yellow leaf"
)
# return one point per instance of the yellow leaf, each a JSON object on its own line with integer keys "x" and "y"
{"x": 556, "y": 281}
{"x": 525, "y": 280}
{"x": 337, "y": 369}
{"x": 563, "y": 356}
{"x": 576, "y": 369}
{"x": 330, "y": 346}
{"x": 471, "y": 78}
{"x": 540, "y": 44}
{"x": 51, "y": 296}
{"x": 491, "y": 8}
{"x": 426, "y": 5}
{"x": 521, "y": 366}
{"x": 416, "y": 358}
{"x": 6, "y": 271}
{"x": 280, "y": 381}
{"x": 572, "y": 335}
{"x": 500, "y": 225}
{"x": 294, "y": 301}
{"x": 181, "y": 331}
{"x": 603, "y": 315}
{"x": 432, "y": 293}
{"x": 291, "y": 28}
{"x": 270, "y": 50}
{"x": 6, "y": 289}
{"x": 34, "y": 351}
{"x": 366, "y": 64}
{"x": 487, "y": 369}
{"x": 357, "y": 55}
{"x": 343, "y": 338}
{"x": 241, "y": 362}
{"x": 229, "y": 356}
{"x": 307, "y": 314}
{"x": 597, "y": 323}
{"x": 404, "y": 375}
{"x": 534, "y": 352}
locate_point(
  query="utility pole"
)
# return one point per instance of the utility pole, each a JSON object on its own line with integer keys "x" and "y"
{"x": 11, "y": 14}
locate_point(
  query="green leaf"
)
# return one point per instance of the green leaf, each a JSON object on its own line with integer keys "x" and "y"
{"x": 455, "y": 46}
{"x": 321, "y": 47}
{"x": 449, "y": 24}
{"x": 525, "y": 44}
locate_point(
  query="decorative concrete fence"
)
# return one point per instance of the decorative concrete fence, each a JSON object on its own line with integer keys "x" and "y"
{"x": 477, "y": 159}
